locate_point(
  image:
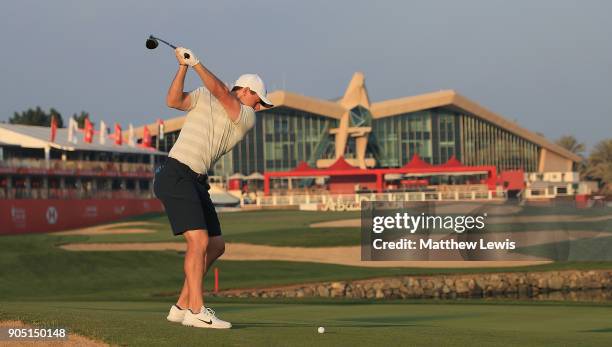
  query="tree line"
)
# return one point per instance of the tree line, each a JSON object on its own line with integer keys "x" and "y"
{"x": 597, "y": 165}
{"x": 40, "y": 117}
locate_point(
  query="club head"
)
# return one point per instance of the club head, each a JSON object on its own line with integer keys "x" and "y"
{"x": 151, "y": 43}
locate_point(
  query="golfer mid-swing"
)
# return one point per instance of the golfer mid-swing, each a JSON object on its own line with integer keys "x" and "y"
{"x": 217, "y": 119}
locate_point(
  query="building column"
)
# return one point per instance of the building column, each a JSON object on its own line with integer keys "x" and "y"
{"x": 47, "y": 157}
{"x": 62, "y": 186}
{"x": 542, "y": 160}
{"x": 9, "y": 187}
{"x": 342, "y": 135}
{"x": 28, "y": 186}
{"x": 79, "y": 186}
{"x": 45, "y": 187}
{"x": 266, "y": 185}
{"x": 94, "y": 187}
{"x": 361, "y": 143}
{"x": 379, "y": 182}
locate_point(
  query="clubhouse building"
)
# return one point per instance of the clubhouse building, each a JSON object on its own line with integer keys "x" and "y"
{"x": 434, "y": 127}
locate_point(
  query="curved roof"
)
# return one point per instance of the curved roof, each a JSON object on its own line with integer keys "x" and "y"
{"x": 454, "y": 100}
{"x": 32, "y": 136}
{"x": 356, "y": 94}
{"x": 308, "y": 104}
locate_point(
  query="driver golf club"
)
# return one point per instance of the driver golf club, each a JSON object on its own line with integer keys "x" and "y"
{"x": 153, "y": 42}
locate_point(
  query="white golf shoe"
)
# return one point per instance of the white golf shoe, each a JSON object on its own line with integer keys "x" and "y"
{"x": 205, "y": 319}
{"x": 176, "y": 314}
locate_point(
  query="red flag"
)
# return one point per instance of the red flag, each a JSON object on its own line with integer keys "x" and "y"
{"x": 89, "y": 131}
{"x": 118, "y": 138}
{"x": 53, "y": 128}
{"x": 146, "y": 137}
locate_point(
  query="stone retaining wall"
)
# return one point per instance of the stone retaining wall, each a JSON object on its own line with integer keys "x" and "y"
{"x": 482, "y": 285}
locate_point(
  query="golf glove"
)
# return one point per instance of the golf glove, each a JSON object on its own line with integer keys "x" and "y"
{"x": 192, "y": 60}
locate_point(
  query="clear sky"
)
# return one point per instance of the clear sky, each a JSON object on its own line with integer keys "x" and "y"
{"x": 545, "y": 64}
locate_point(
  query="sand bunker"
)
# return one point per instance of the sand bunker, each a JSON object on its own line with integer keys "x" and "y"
{"x": 112, "y": 229}
{"x": 350, "y": 255}
{"x": 125, "y": 246}
{"x": 342, "y": 223}
{"x": 73, "y": 339}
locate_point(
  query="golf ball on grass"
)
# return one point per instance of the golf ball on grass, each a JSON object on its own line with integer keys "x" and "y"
{"x": 321, "y": 330}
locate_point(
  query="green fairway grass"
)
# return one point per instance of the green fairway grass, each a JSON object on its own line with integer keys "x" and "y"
{"x": 266, "y": 324}
{"x": 572, "y": 250}
{"x": 32, "y": 267}
{"x": 292, "y": 228}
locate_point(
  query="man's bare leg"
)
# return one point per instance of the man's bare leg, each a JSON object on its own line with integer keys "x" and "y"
{"x": 216, "y": 248}
{"x": 197, "y": 242}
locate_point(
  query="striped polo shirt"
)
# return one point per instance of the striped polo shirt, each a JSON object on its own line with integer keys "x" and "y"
{"x": 208, "y": 132}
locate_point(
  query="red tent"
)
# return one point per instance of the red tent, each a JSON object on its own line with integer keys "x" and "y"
{"x": 343, "y": 176}
{"x": 417, "y": 163}
{"x": 452, "y": 162}
{"x": 302, "y": 166}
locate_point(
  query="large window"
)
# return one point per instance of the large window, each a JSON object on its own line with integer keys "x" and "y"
{"x": 281, "y": 139}
{"x": 446, "y": 137}
{"x": 486, "y": 144}
{"x": 400, "y": 137}
{"x": 416, "y": 136}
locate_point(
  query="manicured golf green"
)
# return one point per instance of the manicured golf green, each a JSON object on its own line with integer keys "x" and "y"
{"x": 144, "y": 324}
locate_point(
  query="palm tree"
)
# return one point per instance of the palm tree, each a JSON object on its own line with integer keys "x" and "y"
{"x": 571, "y": 144}
{"x": 600, "y": 164}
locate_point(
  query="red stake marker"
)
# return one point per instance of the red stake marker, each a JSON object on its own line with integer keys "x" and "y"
{"x": 216, "y": 280}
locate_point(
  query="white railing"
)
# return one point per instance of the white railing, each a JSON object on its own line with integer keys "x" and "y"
{"x": 71, "y": 194}
{"x": 286, "y": 200}
{"x": 94, "y": 166}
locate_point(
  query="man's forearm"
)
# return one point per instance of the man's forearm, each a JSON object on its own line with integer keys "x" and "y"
{"x": 216, "y": 87}
{"x": 175, "y": 93}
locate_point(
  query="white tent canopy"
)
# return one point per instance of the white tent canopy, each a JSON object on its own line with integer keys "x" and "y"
{"x": 461, "y": 173}
{"x": 255, "y": 176}
{"x": 237, "y": 176}
{"x": 393, "y": 177}
{"x": 32, "y": 136}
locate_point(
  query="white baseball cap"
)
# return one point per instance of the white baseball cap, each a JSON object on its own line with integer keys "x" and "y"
{"x": 256, "y": 84}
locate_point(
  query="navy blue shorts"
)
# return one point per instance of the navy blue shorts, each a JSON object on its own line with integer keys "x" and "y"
{"x": 184, "y": 194}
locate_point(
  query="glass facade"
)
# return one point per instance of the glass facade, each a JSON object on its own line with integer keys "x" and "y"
{"x": 447, "y": 137}
{"x": 282, "y": 137}
{"x": 438, "y": 134}
{"x": 487, "y": 144}
{"x": 432, "y": 134}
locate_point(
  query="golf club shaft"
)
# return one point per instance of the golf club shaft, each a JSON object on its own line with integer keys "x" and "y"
{"x": 186, "y": 55}
{"x": 166, "y": 42}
